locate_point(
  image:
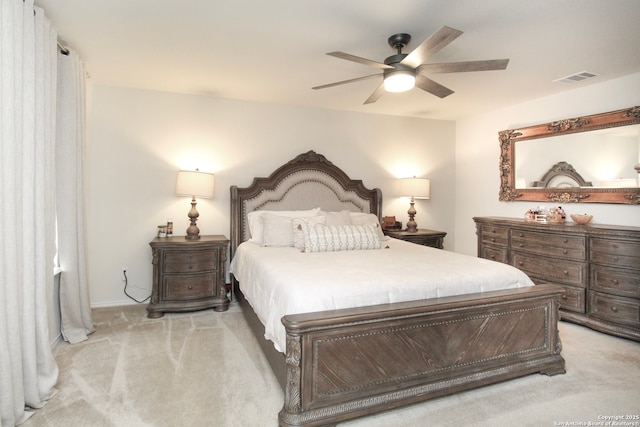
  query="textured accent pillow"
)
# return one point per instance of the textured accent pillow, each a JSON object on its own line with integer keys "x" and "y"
{"x": 297, "y": 225}
{"x": 323, "y": 238}
{"x": 256, "y": 226}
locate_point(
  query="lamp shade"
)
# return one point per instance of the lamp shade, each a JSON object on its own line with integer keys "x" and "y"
{"x": 399, "y": 81}
{"x": 418, "y": 188}
{"x": 194, "y": 183}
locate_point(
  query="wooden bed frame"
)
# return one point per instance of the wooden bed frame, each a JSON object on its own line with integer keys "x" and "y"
{"x": 349, "y": 363}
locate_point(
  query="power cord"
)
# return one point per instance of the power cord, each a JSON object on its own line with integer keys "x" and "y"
{"x": 126, "y": 283}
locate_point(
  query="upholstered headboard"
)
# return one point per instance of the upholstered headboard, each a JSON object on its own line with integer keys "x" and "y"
{"x": 306, "y": 182}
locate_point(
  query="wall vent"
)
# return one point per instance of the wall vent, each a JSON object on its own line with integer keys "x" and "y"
{"x": 573, "y": 78}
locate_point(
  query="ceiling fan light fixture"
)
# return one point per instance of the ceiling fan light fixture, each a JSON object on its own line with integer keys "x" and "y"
{"x": 399, "y": 81}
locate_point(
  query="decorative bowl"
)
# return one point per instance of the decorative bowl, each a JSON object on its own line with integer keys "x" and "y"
{"x": 581, "y": 219}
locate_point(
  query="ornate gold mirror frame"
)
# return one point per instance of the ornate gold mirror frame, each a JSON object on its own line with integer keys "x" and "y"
{"x": 509, "y": 138}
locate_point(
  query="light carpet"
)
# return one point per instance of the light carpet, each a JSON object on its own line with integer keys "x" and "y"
{"x": 206, "y": 369}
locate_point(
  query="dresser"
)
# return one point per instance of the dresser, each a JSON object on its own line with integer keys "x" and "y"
{"x": 423, "y": 236}
{"x": 598, "y": 266}
{"x": 188, "y": 274}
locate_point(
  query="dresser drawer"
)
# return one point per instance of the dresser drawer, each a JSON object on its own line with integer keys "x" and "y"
{"x": 494, "y": 253}
{"x": 619, "y": 310}
{"x": 552, "y": 269}
{"x": 495, "y": 235}
{"x": 573, "y": 298}
{"x": 181, "y": 287}
{"x": 190, "y": 261}
{"x": 618, "y": 281}
{"x": 615, "y": 252}
{"x": 549, "y": 244}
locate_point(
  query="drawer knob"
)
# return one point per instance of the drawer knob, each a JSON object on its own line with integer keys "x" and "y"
{"x": 521, "y": 245}
{"x": 190, "y": 267}
{"x": 564, "y": 296}
{"x": 614, "y": 308}
{"x": 190, "y": 287}
{"x": 521, "y": 234}
{"x": 615, "y": 258}
{"x": 565, "y": 272}
{"x": 493, "y": 239}
{"x": 615, "y": 281}
{"x": 492, "y": 256}
{"x": 565, "y": 251}
{"x": 521, "y": 263}
{"x": 565, "y": 240}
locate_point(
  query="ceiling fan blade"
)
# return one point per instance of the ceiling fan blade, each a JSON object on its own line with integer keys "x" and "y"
{"x": 375, "y": 95}
{"x": 432, "y": 87}
{"x": 431, "y": 46}
{"x": 359, "y": 60}
{"x": 357, "y": 79}
{"x": 462, "y": 67}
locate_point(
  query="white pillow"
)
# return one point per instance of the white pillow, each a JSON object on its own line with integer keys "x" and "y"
{"x": 323, "y": 238}
{"x": 255, "y": 222}
{"x": 296, "y": 227}
{"x": 276, "y": 230}
{"x": 362, "y": 218}
{"x": 338, "y": 218}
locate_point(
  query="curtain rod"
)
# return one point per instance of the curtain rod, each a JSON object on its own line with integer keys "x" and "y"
{"x": 63, "y": 49}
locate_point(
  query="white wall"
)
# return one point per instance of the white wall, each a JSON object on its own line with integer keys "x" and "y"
{"x": 139, "y": 139}
{"x": 477, "y": 155}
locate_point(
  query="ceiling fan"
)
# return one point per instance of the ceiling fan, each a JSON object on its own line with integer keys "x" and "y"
{"x": 404, "y": 71}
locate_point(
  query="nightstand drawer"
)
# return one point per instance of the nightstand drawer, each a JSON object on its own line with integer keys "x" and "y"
{"x": 549, "y": 244}
{"x": 193, "y": 261}
{"x": 181, "y": 288}
{"x": 616, "y": 281}
{"x": 495, "y": 235}
{"x": 615, "y": 309}
{"x": 552, "y": 269}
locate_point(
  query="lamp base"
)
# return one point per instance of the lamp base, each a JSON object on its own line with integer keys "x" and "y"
{"x": 193, "y": 232}
{"x": 412, "y": 226}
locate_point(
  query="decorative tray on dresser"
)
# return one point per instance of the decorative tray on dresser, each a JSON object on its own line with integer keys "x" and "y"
{"x": 597, "y": 265}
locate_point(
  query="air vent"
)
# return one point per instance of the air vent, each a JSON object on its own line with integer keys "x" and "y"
{"x": 573, "y": 78}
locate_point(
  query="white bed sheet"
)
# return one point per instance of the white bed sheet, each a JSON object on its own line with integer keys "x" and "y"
{"x": 277, "y": 281}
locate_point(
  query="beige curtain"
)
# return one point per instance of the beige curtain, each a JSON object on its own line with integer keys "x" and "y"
{"x": 28, "y": 54}
{"x": 75, "y": 309}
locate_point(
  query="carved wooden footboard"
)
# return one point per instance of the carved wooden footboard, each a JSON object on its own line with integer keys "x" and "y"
{"x": 344, "y": 364}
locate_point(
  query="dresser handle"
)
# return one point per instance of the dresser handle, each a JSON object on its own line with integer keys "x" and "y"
{"x": 615, "y": 281}
{"x": 564, "y": 251}
{"x": 521, "y": 263}
{"x": 614, "y": 308}
{"x": 565, "y": 272}
{"x": 493, "y": 239}
{"x": 190, "y": 287}
{"x": 564, "y": 297}
{"x": 521, "y": 234}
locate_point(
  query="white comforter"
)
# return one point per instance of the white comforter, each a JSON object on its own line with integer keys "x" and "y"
{"x": 277, "y": 281}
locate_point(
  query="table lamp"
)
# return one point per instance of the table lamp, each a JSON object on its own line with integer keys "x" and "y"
{"x": 194, "y": 184}
{"x": 416, "y": 188}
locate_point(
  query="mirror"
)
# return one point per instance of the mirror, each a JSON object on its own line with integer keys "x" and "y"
{"x": 591, "y": 159}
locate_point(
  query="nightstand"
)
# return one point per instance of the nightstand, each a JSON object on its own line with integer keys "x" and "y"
{"x": 421, "y": 237}
{"x": 188, "y": 275}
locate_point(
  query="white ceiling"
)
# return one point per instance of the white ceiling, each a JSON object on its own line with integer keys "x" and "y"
{"x": 274, "y": 51}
